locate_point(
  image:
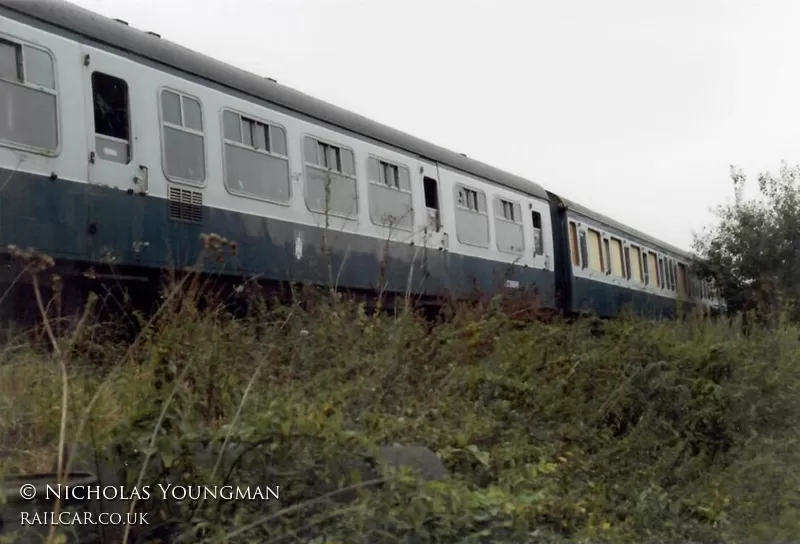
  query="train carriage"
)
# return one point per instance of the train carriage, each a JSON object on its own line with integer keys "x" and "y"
{"x": 119, "y": 150}
{"x": 614, "y": 267}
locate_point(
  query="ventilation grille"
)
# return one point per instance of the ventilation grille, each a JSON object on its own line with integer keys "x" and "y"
{"x": 185, "y": 205}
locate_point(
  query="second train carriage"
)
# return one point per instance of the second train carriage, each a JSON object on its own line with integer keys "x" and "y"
{"x": 118, "y": 149}
{"x": 614, "y": 266}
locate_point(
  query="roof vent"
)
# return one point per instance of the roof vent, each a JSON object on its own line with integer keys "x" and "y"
{"x": 121, "y": 21}
{"x": 272, "y": 80}
{"x": 463, "y": 154}
{"x": 154, "y": 34}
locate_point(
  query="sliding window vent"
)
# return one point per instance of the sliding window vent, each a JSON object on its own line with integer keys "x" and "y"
{"x": 185, "y": 205}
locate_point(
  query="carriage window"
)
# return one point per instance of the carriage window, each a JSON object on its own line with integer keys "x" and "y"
{"x": 171, "y": 108}
{"x": 467, "y": 198}
{"x": 573, "y": 244}
{"x": 39, "y": 68}
{"x": 507, "y": 210}
{"x": 628, "y": 262}
{"x": 538, "y": 237}
{"x": 111, "y": 118}
{"x": 256, "y": 164}
{"x": 509, "y": 232}
{"x": 432, "y": 202}
{"x": 28, "y": 94}
{"x": 652, "y": 270}
{"x": 389, "y": 174}
{"x": 617, "y": 264}
{"x": 584, "y": 250}
{"x": 11, "y": 61}
{"x": 683, "y": 284}
{"x": 330, "y": 178}
{"x": 472, "y": 220}
{"x": 636, "y": 264}
{"x": 389, "y": 193}
{"x": 330, "y": 157}
{"x": 668, "y": 273}
{"x": 182, "y": 137}
{"x": 192, "y": 115}
{"x": 674, "y": 274}
{"x": 595, "y": 251}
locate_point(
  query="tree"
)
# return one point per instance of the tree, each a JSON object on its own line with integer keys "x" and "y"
{"x": 753, "y": 255}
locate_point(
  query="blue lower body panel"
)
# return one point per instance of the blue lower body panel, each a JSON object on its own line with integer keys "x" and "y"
{"x": 85, "y": 223}
{"x": 609, "y": 300}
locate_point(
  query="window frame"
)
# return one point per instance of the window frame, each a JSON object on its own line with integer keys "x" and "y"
{"x": 600, "y": 250}
{"x": 619, "y": 242}
{"x": 626, "y": 258}
{"x": 55, "y": 91}
{"x": 583, "y": 244}
{"x": 512, "y": 206}
{"x": 163, "y": 123}
{"x": 514, "y": 221}
{"x": 655, "y": 273}
{"x": 225, "y": 141}
{"x": 574, "y": 244}
{"x": 534, "y": 211}
{"x": 457, "y": 186}
{"x": 339, "y": 146}
{"x": 354, "y": 216}
{"x": 399, "y": 166}
{"x": 96, "y": 134}
{"x": 477, "y": 193}
{"x": 682, "y": 280}
{"x": 410, "y": 191}
{"x": 636, "y": 248}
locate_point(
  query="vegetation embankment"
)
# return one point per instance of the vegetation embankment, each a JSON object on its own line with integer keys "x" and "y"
{"x": 679, "y": 431}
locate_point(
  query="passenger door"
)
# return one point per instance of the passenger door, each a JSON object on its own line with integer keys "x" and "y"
{"x": 433, "y": 231}
{"x": 110, "y": 124}
{"x": 117, "y": 176}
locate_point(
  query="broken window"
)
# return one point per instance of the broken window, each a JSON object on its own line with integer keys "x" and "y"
{"x": 432, "y": 201}
{"x": 538, "y": 238}
{"x": 111, "y": 118}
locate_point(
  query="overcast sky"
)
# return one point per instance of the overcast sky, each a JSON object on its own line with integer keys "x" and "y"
{"x": 633, "y": 108}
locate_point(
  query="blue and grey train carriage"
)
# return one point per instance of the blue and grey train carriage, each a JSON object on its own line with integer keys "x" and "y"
{"x": 119, "y": 149}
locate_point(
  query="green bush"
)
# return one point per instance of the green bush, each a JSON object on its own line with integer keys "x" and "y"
{"x": 550, "y": 432}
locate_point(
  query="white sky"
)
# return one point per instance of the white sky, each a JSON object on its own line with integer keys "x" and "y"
{"x": 635, "y": 109}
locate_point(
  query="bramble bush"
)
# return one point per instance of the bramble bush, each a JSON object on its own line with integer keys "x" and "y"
{"x": 549, "y": 431}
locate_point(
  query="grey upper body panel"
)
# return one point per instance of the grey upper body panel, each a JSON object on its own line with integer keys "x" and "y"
{"x": 654, "y": 243}
{"x": 77, "y": 20}
{"x": 107, "y": 31}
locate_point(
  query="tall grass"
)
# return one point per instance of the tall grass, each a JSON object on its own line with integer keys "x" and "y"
{"x": 550, "y": 432}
